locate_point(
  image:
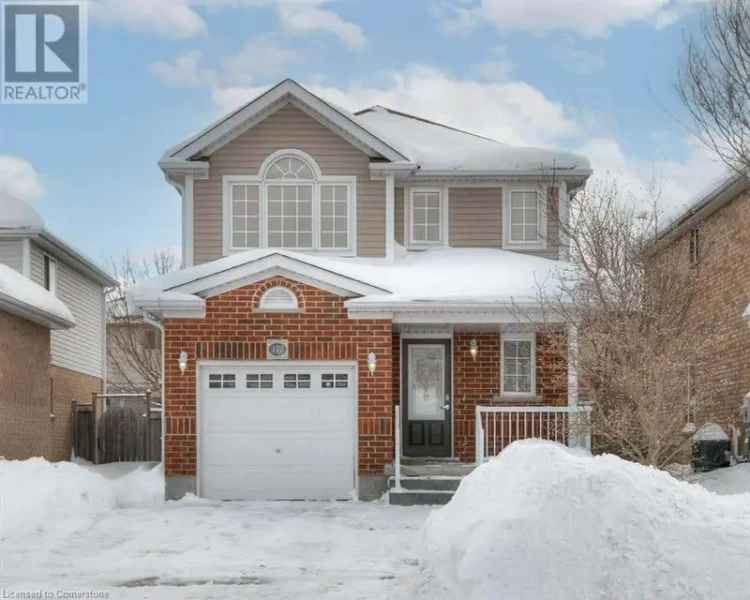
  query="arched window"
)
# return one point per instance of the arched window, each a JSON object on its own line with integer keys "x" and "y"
{"x": 279, "y": 299}
{"x": 290, "y": 204}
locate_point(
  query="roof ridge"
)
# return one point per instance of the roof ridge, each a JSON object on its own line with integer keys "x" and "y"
{"x": 375, "y": 107}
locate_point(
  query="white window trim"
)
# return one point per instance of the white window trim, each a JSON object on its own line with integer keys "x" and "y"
{"x": 409, "y": 211}
{"x": 541, "y": 243}
{"x": 518, "y": 337}
{"x": 349, "y": 181}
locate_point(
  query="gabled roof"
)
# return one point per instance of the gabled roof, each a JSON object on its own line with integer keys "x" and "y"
{"x": 228, "y": 127}
{"x": 18, "y": 219}
{"x": 22, "y": 297}
{"x": 396, "y": 140}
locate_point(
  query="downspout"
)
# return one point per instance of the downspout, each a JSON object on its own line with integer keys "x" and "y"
{"x": 160, "y": 327}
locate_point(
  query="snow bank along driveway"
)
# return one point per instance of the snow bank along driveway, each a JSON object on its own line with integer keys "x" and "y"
{"x": 544, "y": 522}
{"x": 64, "y": 527}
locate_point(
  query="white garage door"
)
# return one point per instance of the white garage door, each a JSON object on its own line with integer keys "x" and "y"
{"x": 276, "y": 431}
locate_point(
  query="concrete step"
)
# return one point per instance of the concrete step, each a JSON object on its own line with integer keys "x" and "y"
{"x": 442, "y": 484}
{"x": 419, "y": 497}
{"x": 442, "y": 469}
{"x": 427, "y": 460}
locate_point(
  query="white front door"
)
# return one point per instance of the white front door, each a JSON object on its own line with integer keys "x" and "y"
{"x": 277, "y": 431}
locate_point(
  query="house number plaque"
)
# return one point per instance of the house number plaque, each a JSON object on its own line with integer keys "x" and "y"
{"x": 277, "y": 349}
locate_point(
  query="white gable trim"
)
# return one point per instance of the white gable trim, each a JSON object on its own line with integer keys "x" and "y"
{"x": 259, "y": 108}
{"x": 277, "y": 264}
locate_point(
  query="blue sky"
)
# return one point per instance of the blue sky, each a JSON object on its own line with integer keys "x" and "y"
{"x": 598, "y": 80}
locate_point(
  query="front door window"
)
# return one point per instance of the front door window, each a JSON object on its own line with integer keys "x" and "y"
{"x": 427, "y": 379}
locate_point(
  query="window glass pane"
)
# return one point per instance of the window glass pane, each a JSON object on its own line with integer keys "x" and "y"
{"x": 326, "y": 380}
{"x": 524, "y": 217}
{"x": 326, "y": 193}
{"x": 342, "y": 208}
{"x": 433, "y": 217}
{"x": 326, "y": 208}
{"x": 342, "y": 240}
{"x": 530, "y": 232}
{"x": 326, "y": 239}
{"x": 303, "y": 380}
{"x": 524, "y": 348}
{"x": 274, "y": 239}
{"x": 245, "y": 207}
{"x": 342, "y": 380}
{"x": 420, "y": 233}
{"x": 433, "y": 233}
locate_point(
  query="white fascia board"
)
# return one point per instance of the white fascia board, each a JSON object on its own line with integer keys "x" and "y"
{"x": 505, "y": 173}
{"x": 164, "y": 308}
{"x": 276, "y": 263}
{"x": 224, "y": 128}
{"x": 451, "y": 313}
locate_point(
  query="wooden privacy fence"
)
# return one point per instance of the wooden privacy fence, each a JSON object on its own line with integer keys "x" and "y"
{"x": 118, "y": 428}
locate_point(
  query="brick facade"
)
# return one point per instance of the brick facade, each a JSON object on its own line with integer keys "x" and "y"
{"x": 723, "y": 293}
{"x": 233, "y": 329}
{"x": 36, "y": 398}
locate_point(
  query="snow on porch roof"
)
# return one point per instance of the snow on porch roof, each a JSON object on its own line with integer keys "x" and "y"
{"x": 440, "y": 276}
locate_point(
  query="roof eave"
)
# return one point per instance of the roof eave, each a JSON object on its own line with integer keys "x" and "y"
{"x": 31, "y": 313}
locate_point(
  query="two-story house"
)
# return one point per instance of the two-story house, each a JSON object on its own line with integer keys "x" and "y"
{"x": 353, "y": 287}
{"x": 73, "y": 366}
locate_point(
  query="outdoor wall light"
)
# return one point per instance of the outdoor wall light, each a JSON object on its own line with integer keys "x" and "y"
{"x": 372, "y": 362}
{"x": 473, "y": 349}
{"x": 183, "y": 361}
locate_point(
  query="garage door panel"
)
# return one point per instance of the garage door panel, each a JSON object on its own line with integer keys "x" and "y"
{"x": 292, "y": 484}
{"x": 277, "y": 443}
{"x": 267, "y": 448}
{"x": 250, "y": 414}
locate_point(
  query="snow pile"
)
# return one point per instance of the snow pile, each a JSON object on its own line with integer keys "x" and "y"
{"x": 37, "y": 495}
{"x": 23, "y": 293}
{"x": 731, "y": 480}
{"x": 544, "y": 521}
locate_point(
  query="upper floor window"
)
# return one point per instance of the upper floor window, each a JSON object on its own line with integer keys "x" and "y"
{"x": 290, "y": 204}
{"x": 524, "y": 219}
{"x": 695, "y": 246}
{"x": 426, "y": 217}
{"x": 49, "y": 273}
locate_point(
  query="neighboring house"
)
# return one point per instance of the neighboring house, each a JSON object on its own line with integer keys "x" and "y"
{"x": 76, "y": 358}
{"x": 33, "y": 422}
{"x": 337, "y": 265}
{"x": 133, "y": 356}
{"x": 713, "y": 235}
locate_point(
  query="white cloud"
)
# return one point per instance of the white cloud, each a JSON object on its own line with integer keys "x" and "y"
{"x": 181, "y": 19}
{"x": 167, "y": 18}
{"x": 260, "y": 57}
{"x": 185, "y": 71}
{"x": 590, "y": 18}
{"x": 300, "y": 16}
{"x": 18, "y": 178}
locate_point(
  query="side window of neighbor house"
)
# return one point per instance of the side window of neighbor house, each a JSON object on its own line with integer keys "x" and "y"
{"x": 50, "y": 273}
{"x": 524, "y": 220}
{"x": 695, "y": 246}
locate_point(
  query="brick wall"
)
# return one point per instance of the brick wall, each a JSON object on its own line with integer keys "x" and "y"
{"x": 68, "y": 386}
{"x": 478, "y": 381}
{"x": 723, "y": 377}
{"x": 232, "y": 330}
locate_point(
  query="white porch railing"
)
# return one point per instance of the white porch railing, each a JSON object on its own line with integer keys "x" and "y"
{"x": 500, "y": 426}
{"x": 397, "y": 448}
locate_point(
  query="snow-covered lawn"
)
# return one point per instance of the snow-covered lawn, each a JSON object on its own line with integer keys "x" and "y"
{"x": 201, "y": 549}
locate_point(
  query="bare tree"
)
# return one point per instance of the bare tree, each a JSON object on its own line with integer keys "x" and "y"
{"x": 133, "y": 347}
{"x": 638, "y": 345}
{"x": 714, "y": 82}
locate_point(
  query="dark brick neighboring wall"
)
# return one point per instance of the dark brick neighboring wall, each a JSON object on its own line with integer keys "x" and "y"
{"x": 723, "y": 294}
{"x": 232, "y": 330}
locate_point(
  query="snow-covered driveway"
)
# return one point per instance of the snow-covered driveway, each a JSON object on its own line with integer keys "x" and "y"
{"x": 201, "y": 549}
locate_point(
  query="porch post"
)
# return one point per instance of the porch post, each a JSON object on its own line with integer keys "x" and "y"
{"x": 572, "y": 371}
{"x": 390, "y": 217}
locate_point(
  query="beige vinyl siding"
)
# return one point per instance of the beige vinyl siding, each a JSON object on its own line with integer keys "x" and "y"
{"x": 399, "y": 215}
{"x": 289, "y": 127}
{"x": 476, "y": 217}
{"x": 11, "y": 254}
{"x": 79, "y": 348}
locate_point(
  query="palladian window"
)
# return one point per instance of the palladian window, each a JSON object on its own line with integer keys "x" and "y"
{"x": 289, "y": 204}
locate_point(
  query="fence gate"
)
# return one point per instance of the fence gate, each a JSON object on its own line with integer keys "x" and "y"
{"x": 84, "y": 431}
{"x": 128, "y": 428}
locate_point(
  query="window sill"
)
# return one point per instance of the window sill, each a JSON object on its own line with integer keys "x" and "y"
{"x": 518, "y": 246}
{"x": 517, "y": 399}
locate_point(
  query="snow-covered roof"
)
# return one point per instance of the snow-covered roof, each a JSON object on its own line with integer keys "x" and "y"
{"x": 19, "y": 219}
{"x": 17, "y": 214}
{"x": 21, "y": 296}
{"x": 438, "y": 277}
{"x": 437, "y": 147}
{"x": 407, "y": 142}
